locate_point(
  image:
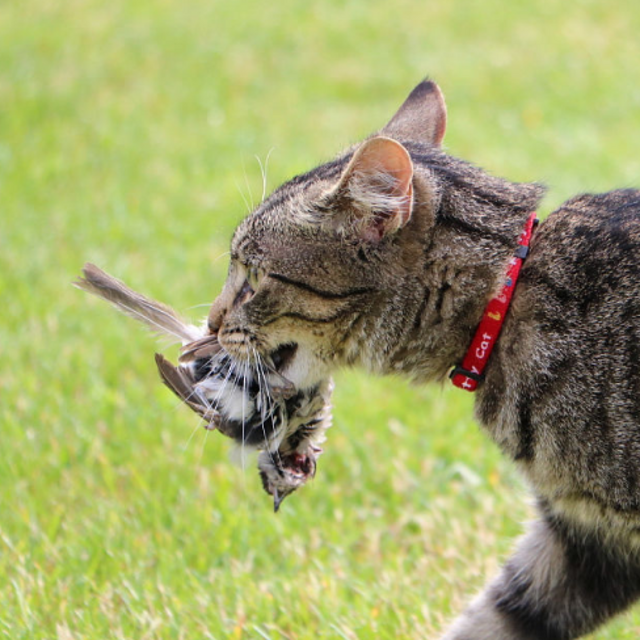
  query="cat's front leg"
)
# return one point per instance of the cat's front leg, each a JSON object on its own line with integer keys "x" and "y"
{"x": 560, "y": 584}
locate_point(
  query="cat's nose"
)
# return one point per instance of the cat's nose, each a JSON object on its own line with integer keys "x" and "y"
{"x": 216, "y": 316}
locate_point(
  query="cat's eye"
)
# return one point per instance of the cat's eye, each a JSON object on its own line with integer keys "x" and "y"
{"x": 254, "y": 277}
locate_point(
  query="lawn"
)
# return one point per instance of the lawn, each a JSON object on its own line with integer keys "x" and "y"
{"x": 129, "y": 136}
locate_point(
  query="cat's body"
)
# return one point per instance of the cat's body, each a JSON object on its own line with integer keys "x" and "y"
{"x": 562, "y": 398}
{"x": 562, "y": 388}
{"x": 385, "y": 258}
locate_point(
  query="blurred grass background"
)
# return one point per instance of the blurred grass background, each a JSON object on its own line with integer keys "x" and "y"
{"x": 129, "y": 132}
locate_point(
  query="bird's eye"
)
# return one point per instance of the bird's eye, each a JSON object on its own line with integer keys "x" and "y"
{"x": 254, "y": 277}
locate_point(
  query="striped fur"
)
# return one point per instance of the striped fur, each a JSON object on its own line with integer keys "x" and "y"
{"x": 385, "y": 258}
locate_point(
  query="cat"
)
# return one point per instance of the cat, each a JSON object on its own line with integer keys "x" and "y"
{"x": 386, "y": 258}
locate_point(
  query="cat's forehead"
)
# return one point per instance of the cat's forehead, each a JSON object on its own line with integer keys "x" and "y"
{"x": 271, "y": 233}
{"x": 289, "y": 214}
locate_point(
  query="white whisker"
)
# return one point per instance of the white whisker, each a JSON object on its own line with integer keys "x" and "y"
{"x": 267, "y": 406}
{"x": 270, "y": 406}
{"x": 246, "y": 182}
{"x": 246, "y": 202}
{"x": 204, "y": 442}
{"x": 263, "y": 171}
{"x": 193, "y": 433}
{"x": 199, "y": 306}
{"x": 244, "y": 396}
{"x": 224, "y": 254}
{"x": 218, "y": 397}
{"x": 198, "y": 393}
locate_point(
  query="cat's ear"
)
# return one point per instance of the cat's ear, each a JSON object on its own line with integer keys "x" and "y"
{"x": 421, "y": 118}
{"x": 377, "y": 188}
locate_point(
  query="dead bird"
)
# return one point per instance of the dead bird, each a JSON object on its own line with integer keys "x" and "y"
{"x": 248, "y": 401}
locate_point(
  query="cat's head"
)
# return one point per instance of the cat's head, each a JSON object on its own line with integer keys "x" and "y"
{"x": 315, "y": 266}
{"x": 384, "y": 257}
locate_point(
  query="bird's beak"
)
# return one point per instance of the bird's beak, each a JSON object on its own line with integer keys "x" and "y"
{"x": 277, "y": 500}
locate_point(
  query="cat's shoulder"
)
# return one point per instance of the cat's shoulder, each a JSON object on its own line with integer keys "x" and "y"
{"x": 589, "y": 245}
{"x": 604, "y": 222}
{"x": 600, "y": 209}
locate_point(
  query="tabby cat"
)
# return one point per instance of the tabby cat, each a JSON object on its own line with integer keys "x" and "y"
{"x": 385, "y": 258}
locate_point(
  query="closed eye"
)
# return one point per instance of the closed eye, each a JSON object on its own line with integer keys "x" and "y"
{"x": 245, "y": 294}
{"x": 254, "y": 277}
{"x": 321, "y": 293}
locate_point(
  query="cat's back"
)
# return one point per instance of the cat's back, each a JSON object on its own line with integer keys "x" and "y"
{"x": 562, "y": 392}
{"x": 587, "y": 250}
{"x": 581, "y": 281}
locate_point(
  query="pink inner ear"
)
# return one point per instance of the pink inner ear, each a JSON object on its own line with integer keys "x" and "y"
{"x": 379, "y": 178}
{"x": 384, "y": 155}
{"x": 386, "y": 222}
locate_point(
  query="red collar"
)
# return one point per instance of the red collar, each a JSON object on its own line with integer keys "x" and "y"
{"x": 468, "y": 374}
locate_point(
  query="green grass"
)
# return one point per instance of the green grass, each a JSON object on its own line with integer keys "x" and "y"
{"x": 128, "y": 136}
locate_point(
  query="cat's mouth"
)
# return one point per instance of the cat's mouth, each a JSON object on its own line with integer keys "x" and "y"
{"x": 277, "y": 361}
{"x": 282, "y": 357}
